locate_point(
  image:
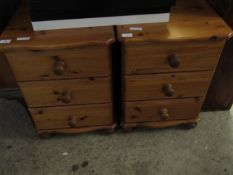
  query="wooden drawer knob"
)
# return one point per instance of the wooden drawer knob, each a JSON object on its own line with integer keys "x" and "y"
{"x": 174, "y": 61}
{"x": 66, "y": 97}
{"x": 168, "y": 90}
{"x": 72, "y": 122}
{"x": 164, "y": 114}
{"x": 59, "y": 68}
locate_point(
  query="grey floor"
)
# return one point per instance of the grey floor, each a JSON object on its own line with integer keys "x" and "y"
{"x": 208, "y": 149}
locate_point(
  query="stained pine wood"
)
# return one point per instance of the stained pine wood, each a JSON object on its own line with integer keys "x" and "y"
{"x": 149, "y": 87}
{"x": 62, "y": 73}
{"x": 153, "y": 57}
{"x": 195, "y": 36}
{"x": 162, "y": 124}
{"x": 107, "y": 128}
{"x": 29, "y": 65}
{"x": 192, "y": 21}
{"x": 195, "y": 20}
{"x": 85, "y": 116}
{"x": 149, "y": 111}
{"x": 77, "y": 91}
{"x": 20, "y": 25}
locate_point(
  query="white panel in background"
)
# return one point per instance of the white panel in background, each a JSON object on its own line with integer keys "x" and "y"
{"x": 102, "y": 21}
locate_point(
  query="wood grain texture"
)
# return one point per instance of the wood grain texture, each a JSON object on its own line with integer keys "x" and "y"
{"x": 195, "y": 22}
{"x": 20, "y": 25}
{"x": 153, "y": 57}
{"x": 150, "y": 87}
{"x": 161, "y": 124}
{"x": 85, "y": 116}
{"x": 106, "y": 128}
{"x": 47, "y": 67}
{"x": 150, "y": 111}
{"x": 57, "y": 70}
{"x": 29, "y": 65}
{"x": 195, "y": 37}
{"x": 67, "y": 92}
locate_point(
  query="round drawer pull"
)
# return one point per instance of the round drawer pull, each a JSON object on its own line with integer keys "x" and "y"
{"x": 168, "y": 90}
{"x": 59, "y": 68}
{"x": 164, "y": 114}
{"x": 66, "y": 97}
{"x": 174, "y": 61}
{"x": 72, "y": 122}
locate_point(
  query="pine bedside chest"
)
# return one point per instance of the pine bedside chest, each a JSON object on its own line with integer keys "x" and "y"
{"x": 64, "y": 75}
{"x": 167, "y": 69}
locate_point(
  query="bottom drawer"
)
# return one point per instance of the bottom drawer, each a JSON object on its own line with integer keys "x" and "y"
{"x": 72, "y": 116}
{"x": 162, "y": 110}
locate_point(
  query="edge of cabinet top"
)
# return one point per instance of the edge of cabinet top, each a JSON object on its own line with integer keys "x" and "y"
{"x": 190, "y": 20}
{"x": 19, "y": 34}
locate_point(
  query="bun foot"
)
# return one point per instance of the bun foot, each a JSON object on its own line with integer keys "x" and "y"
{"x": 45, "y": 135}
{"x": 109, "y": 131}
{"x": 128, "y": 130}
{"x": 189, "y": 126}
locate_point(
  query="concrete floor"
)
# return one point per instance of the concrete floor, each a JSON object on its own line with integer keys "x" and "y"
{"x": 208, "y": 149}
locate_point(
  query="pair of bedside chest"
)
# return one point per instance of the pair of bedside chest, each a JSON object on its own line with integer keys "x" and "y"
{"x": 73, "y": 80}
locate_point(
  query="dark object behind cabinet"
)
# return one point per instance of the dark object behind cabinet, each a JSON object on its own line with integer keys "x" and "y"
{"x": 220, "y": 94}
{"x": 225, "y": 9}
{"x": 7, "y": 81}
{"x": 52, "y": 14}
{"x": 7, "y": 9}
{"x": 43, "y": 10}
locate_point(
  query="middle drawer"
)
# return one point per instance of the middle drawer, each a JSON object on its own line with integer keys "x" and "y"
{"x": 67, "y": 92}
{"x": 163, "y": 86}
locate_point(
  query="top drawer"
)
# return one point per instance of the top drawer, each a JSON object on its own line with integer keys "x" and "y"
{"x": 30, "y": 65}
{"x": 171, "y": 56}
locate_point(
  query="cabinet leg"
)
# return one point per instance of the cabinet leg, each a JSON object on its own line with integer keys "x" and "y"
{"x": 110, "y": 131}
{"x": 189, "y": 126}
{"x": 45, "y": 135}
{"x": 128, "y": 130}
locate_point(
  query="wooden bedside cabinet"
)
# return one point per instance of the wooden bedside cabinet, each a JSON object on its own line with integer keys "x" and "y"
{"x": 65, "y": 76}
{"x": 167, "y": 69}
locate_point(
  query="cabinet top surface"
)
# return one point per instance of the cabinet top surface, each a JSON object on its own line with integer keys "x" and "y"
{"x": 190, "y": 20}
{"x": 20, "y": 26}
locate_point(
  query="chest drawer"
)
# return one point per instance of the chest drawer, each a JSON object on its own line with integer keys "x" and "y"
{"x": 162, "y": 110}
{"x": 164, "y": 86}
{"x": 67, "y": 92}
{"x": 60, "y": 64}
{"x": 72, "y": 116}
{"x": 171, "y": 56}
